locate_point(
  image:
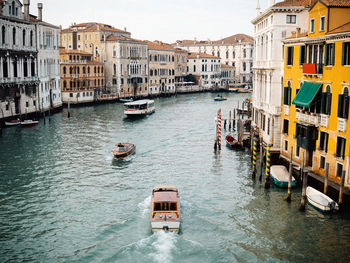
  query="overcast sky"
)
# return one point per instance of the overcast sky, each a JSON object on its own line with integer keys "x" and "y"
{"x": 165, "y": 20}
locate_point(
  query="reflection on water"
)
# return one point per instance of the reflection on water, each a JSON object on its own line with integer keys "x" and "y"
{"x": 64, "y": 198}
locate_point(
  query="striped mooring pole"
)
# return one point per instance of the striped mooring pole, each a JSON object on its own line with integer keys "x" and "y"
{"x": 268, "y": 164}
{"x": 254, "y": 157}
{"x": 219, "y": 128}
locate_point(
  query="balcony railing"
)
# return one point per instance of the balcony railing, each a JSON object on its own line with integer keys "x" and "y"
{"x": 324, "y": 120}
{"x": 313, "y": 69}
{"x": 342, "y": 124}
{"x": 286, "y": 109}
{"x": 307, "y": 117}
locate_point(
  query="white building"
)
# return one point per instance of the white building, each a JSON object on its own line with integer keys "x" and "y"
{"x": 47, "y": 36}
{"x": 270, "y": 28}
{"x": 207, "y": 67}
{"x": 236, "y": 51}
{"x": 18, "y": 61}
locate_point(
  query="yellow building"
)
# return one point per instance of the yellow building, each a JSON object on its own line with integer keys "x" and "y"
{"x": 316, "y": 92}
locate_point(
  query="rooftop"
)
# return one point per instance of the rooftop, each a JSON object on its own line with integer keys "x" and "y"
{"x": 93, "y": 26}
{"x": 201, "y": 55}
{"x": 158, "y": 45}
{"x": 227, "y": 40}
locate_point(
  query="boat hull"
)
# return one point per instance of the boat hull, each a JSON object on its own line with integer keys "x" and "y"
{"x": 173, "y": 226}
{"x": 29, "y": 123}
{"x": 12, "y": 123}
{"x": 118, "y": 155}
{"x": 280, "y": 176}
{"x": 320, "y": 201}
{"x": 282, "y": 184}
{"x": 138, "y": 114}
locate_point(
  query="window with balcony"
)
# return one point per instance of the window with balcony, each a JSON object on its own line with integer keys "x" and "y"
{"x": 322, "y": 23}
{"x": 285, "y": 126}
{"x": 341, "y": 143}
{"x": 291, "y": 19}
{"x": 324, "y": 141}
{"x": 346, "y": 53}
{"x": 343, "y": 104}
{"x": 289, "y": 60}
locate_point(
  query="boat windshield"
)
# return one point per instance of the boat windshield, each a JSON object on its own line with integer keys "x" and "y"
{"x": 165, "y": 206}
{"x": 136, "y": 107}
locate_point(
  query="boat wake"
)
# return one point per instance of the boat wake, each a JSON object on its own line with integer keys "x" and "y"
{"x": 164, "y": 245}
{"x": 145, "y": 206}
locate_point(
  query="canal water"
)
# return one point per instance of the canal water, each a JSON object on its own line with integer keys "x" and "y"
{"x": 64, "y": 199}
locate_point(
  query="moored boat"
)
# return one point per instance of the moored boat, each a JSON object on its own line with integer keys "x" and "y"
{"x": 320, "y": 201}
{"x": 232, "y": 143}
{"x": 139, "y": 108}
{"x": 280, "y": 176}
{"x": 121, "y": 150}
{"x": 29, "y": 122}
{"x": 219, "y": 98}
{"x": 126, "y": 100}
{"x": 165, "y": 208}
{"x": 13, "y": 122}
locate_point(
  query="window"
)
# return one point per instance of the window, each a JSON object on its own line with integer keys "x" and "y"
{"x": 24, "y": 38}
{"x": 3, "y": 35}
{"x": 346, "y": 53}
{"x": 194, "y": 68}
{"x": 322, "y": 162}
{"x": 322, "y": 23}
{"x": 343, "y": 104}
{"x": 312, "y": 25}
{"x": 287, "y": 94}
{"x": 286, "y": 146}
{"x": 302, "y": 58}
{"x": 339, "y": 170}
{"x": 31, "y": 38}
{"x": 297, "y": 151}
{"x": 324, "y": 141}
{"x": 341, "y": 142}
{"x": 14, "y": 36}
{"x": 329, "y": 54}
{"x": 291, "y": 19}
{"x": 289, "y": 59}
{"x": 326, "y": 101}
{"x": 285, "y": 126}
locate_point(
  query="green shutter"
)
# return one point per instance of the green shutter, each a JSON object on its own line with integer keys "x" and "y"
{"x": 346, "y": 106}
{"x": 333, "y": 52}
{"x": 340, "y": 105}
{"x": 292, "y": 55}
{"x": 323, "y": 103}
{"x": 343, "y": 55}
{"x": 329, "y": 99}
{"x": 285, "y": 96}
{"x": 338, "y": 147}
{"x": 326, "y": 62}
{"x": 289, "y": 95}
{"x": 326, "y": 146}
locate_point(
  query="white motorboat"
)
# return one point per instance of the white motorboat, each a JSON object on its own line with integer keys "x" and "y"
{"x": 320, "y": 201}
{"x": 139, "y": 108}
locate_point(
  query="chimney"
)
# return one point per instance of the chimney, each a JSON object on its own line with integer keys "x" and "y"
{"x": 125, "y": 29}
{"x": 26, "y": 4}
{"x": 297, "y": 33}
{"x": 40, "y": 11}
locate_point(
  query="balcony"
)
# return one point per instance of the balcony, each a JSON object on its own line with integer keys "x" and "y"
{"x": 286, "y": 109}
{"x": 313, "y": 69}
{"x": 307, "y": 117}
{"x": 324, "y": 120}
{"x": 342, "y": 124}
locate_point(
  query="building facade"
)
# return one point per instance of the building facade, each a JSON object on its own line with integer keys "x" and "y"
{"x": 227, "y": 75}
{"x": 207, "y": 67}
{"x": 180, "y": 65}
{"x": 127, "y": 66}
{"x": 19, "y": 82}
{"x": 81, "y": 77}
{"x": 270, "y": 28}
{"x": 315, "y": 113}
{"x": 236, "y": 51}
{"x": 161, "y": 59}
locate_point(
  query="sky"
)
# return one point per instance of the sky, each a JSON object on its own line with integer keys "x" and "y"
{"x": 164, "y": 20}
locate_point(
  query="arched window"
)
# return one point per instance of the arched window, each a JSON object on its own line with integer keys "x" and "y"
{"x": 14, "y": 36}
{"x": 343, "y": 104}
{"x": 4, "y": 68}
{"x": 173, "y": 72}
{"x": 169, "y": 72}
{"x": 64, "y": 70}
{"x": 74, "y": 57}
{"x": 245, "y": 53}
{"x": 151, "y": 72}
{"x": 226, "y": 54}
{"x": 233, "y": 54}
{"x": 287, "y": 94}
{"x": 101, "y": 69}
{"x": 326, "y": 101}
{"x": 64, "y": 84}
{"x": 13, "y": 8}
{"x": 98, "y": 70}
{"x": 88, "y": 70}
{"x": 31, "y": 38}
{"x": 84, "y": 70}
{"x": 244, "y": 66}
{"x": 213, "y": 53}
{"x": 95, "y": 70}
{"x": 78, "y": 70}
{"x": 218, "y": 53}
{"x": 155, "y": 72}
{"x": 24, "y": 37}
{"x": 71, "y": 84}
{"x": 25, "y": 68}
{"x": 114, "y": 69}
{"x": 3, "y": 35}
{"x": 70, "y": 70}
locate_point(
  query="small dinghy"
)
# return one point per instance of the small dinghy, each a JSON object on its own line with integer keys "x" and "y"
{"x": 320, "y": 201}
{"x": 280, "y": 176}
{"x": 219, "y": 98}
{"x": 29, "y": 123}
{"x": 231, "y": 142}
{"x": 122, "y": 150}
{"x": 13, "y": 123}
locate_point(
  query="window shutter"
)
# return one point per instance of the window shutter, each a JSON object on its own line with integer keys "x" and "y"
{"x": 292, "y": 52}
{"x": 326, "y": 146}
{"x": 346, "y": 106}
{"x": 323, "y": 103}
{"x": 343, "y": 55}
{"x": 289, "y": 95}
{"x": 285, "y": 95}
{"x": 301, "y": 55}
{"x": 333, "y": 52}
{"x": 340, "y": 105}
{"x": 322, "y": 139}
{"x": 329, "y": 98}
{"x": 338, "y": 147}
{"x": 326, "y": 62}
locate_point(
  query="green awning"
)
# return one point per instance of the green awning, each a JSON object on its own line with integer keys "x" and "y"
{"x": 306, "y": 94}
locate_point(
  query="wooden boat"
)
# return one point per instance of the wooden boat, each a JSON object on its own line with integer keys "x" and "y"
{"x": 29, "y": 123}
{"x": 165, "y": 208}
{"x": 219, "y": 98}
{"x": 244, "y": 90}
{"x": 139, "y": 108}
{"x": 280, "y": 176}
{"x": 231, "y": 142}
{"x": 121, "y": 150}
{"x": 126, "y": 100}
{"x": 320, "y": 201}
{"x": 13, "y": 122}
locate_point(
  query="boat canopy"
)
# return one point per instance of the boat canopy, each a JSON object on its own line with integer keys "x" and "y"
{"x": 138, "y": 102}
{"x": 161, "y": 188}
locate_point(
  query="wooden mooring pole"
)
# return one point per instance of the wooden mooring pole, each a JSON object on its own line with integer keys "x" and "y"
{"x": 229, "y": 121}
{"x": 341, "y": 189}
{"x": 68, "y": 108}
{"x": 326, "y": 179}
{"x": 234, "y": 119}
{"x": 289, "y": 196}
{"x": 303, "y": 191}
